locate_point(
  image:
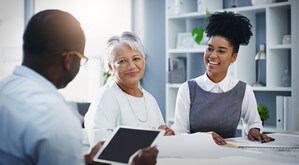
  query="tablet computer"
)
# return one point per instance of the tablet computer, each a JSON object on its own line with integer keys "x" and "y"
{"x": 124, "y": 142}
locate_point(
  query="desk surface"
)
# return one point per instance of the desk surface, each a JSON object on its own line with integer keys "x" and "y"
{"x": 194, "y": 149}
{"x": 231, "y": 153}
{"x": 231, "y": 160}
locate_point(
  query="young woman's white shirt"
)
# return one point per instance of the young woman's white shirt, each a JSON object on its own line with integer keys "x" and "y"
{"x": 249, "y": 114}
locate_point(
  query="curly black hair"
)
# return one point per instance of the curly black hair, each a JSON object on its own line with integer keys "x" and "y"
{"x": 234, "y": 27}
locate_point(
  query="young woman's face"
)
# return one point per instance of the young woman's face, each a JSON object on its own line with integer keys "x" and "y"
{"x": 218, "y": 56}
{"x": 128, "y": 65}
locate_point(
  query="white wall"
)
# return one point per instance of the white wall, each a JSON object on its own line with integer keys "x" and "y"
{"x": 148, "y": 21}
{"x": 100, "y": 19}
{"x": 11, "y": 30}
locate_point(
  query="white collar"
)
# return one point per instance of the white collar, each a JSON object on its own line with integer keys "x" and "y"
{"x": 114, "y": 84}
{"x": 223, "y": 85}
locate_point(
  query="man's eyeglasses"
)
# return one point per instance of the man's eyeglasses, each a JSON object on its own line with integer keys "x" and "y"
{"x": 84, "y": 59}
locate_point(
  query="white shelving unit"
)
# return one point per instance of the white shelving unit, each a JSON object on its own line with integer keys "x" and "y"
{"x": 279, "y": 19}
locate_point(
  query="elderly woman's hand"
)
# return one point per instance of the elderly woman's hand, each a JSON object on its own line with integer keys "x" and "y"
{"x": 168, "y": 131}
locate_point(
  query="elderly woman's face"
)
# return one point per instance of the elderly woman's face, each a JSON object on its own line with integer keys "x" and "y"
{"x": 128, "y": 65}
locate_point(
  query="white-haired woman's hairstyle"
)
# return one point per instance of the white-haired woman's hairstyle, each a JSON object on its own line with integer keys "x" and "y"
{"x": 128, "y": 38}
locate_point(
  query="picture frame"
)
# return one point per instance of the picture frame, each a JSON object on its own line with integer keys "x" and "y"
{"x": 185, "y": 40}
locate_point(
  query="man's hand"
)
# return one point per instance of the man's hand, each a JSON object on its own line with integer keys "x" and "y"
{"x": 218, "y": 139}
{"x": 168, "y": 131}
{"x": 93, "y": 152}
{"x": 147, "y": 156}
{"x": 254, "y": 134}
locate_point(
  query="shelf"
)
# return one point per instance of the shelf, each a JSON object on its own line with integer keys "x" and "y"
{"x": 280, "y": 47}
{"x": 173, "y": 85}
{"x": 253, "y": 9}
{"x": 187, "y": 15}
{"x": 257, "y": 8}
{"x": 190, "y": 50}
{"x": 273, "y": 89}
{"x": 281, "y": 4}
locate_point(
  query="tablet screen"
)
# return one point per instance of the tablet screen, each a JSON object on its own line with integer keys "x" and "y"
{"x": 125, "y": 142}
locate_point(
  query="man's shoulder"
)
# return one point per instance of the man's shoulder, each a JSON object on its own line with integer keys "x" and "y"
{"x": 15, "y": 83}
{"x": 32, "y": 112}
{"x": 23, "y": 95}
{"x": 25, "y": 90}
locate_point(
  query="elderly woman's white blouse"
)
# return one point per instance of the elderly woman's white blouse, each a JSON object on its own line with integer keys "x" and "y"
{"x": 113, "y": 107}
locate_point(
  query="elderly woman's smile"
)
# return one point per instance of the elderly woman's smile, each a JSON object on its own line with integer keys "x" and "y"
{"x": 132, "y": 73}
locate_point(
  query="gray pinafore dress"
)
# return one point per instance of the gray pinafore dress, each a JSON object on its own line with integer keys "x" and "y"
{"x": 218, "y": 112}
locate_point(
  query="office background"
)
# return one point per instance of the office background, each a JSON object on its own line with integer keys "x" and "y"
{"x": 150, "y": 24}
{"x": 100, "y": 20}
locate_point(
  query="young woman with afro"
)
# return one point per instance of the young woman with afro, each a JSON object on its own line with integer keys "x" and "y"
{"x": 215, "y": 102}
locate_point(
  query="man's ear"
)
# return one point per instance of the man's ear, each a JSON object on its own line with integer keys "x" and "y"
{"x": 67, "y": 62}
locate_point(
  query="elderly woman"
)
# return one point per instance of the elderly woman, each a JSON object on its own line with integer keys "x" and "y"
{"x": 123, "y": 101}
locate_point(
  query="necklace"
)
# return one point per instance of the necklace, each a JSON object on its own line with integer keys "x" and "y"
{"x": 143, "y": 121}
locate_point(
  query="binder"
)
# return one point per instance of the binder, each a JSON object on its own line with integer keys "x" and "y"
{"x": 280, "y": 112}
{"x": 283, "y": 109}
{"x": 287, "y": 109}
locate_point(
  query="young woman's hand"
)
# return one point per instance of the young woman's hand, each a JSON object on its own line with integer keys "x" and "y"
{"x": 254, "y": 134}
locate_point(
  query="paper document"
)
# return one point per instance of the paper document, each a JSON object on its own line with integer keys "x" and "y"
{"x": 187, "y": 146}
